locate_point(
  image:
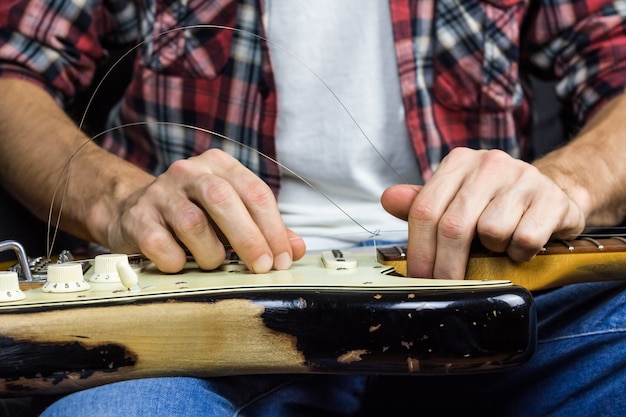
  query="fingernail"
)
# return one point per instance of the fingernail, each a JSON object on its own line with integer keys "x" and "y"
{"x": 282, "y": 261}
{"x": 263, "y": 264}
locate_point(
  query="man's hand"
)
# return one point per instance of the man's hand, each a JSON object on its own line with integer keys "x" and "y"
{"x": 509, "y": 204}
{"x": 200, "y": 204}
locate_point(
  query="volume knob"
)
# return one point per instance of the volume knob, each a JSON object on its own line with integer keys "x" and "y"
{"x": 105, "y": 267}
{"x": 10, "y": 287}
{"x": 65, "y": 277}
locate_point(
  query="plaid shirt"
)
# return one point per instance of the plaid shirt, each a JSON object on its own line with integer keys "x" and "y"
{"x": 462, "y": 67}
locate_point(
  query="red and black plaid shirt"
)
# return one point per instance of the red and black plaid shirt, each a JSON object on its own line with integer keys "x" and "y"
{"x": 462, "y": 66}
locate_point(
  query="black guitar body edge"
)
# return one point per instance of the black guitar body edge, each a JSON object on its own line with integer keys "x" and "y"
{"x": 362, "y": 332}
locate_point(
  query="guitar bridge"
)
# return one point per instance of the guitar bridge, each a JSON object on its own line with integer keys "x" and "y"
{"x": 36, "y": 269}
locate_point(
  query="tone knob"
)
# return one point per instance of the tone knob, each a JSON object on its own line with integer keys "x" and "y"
{"x": 105, "y": 267}
{"x": 65, "y": 277}
{"x": 10, "y": 287}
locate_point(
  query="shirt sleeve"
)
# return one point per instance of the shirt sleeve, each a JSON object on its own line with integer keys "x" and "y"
{"x": 583, "y": 44}
{"x": 56, "y": 44}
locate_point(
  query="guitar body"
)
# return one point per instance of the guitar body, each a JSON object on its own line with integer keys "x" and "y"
{"x": 316, "y": 317}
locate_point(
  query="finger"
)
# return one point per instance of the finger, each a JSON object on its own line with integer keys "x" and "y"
{"x": 260, "y": 202}
{"x": 510, "y": 223}
{"x": 143, "y": 229}
{"x": 163, "y": 250}
{"x": 457, "y": 228}
{"x": 398, "y": 199}
{"x": 226, "y": 210}
{"x": 298, "y": 247}
{"x": 479, "y": 176}
{"x": 551, "y": 214}
{"x": 426, "y": 257}
{"x": 518, "y": 219}
{"x": 574, "y": 230}
{"x": 170, "y": 209}
{"x": 423, "y": 223}
{"x": 573, "y": 222}
{"x": 219, "y": 185}
{"x": 191, "y": 225}
{"x": 500, "y": 218}
{"x": 269, "y": 240}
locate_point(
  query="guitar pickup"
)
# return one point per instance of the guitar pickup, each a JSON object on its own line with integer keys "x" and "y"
{"x": 337, "y": 259}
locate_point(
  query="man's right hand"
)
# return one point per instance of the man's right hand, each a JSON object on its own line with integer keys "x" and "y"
{"x": 200, "y": 204}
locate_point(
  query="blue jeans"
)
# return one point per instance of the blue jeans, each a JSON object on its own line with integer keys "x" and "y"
{"x": 579, "y": 369}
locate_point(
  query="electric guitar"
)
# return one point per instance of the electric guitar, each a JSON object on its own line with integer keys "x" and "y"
{"x": 86, "y": 323}
{"x": 585, "y": 259}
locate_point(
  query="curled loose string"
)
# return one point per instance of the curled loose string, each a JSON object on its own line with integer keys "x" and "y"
{"x": 65, "y": 171}
{"x": 372, "y": 233}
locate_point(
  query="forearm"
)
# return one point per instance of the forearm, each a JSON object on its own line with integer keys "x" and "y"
{"x": 591, "y": 167}
{"x": 37, "y": 140}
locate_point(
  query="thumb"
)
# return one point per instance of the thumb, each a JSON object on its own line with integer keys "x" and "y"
{"x": 398, "y": 199}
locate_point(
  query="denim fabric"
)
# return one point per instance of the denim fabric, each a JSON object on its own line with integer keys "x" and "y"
{"x": 579, "y": 369}
{"x": 270, "y": 395}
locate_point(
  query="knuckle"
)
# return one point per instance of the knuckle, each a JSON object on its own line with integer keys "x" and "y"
{"x": 211, "y": 259}
{"x": 496, "y": 244}
{"x": 215, "y": 153}
{"x": 424, "y": 211}
{"x": 524, "y": 246}
{"x": 248, "y": 243}
{"x": 219, "y": 157}
{"x": 453, "y": 227}
{"x": 457, "y": 153}
{"x": 259, "y": 194}
{"x": 491, "y": 231}
{"x": 190, "y": 220}
{"x": 218, "y": 192}
{"x": 155, "y": 244}
{"x": 495, "y": 159}
{"x": 179, "y": 167}
{"x": 154, "y": 240}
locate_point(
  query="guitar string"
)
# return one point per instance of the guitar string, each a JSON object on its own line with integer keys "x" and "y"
{"x": 52, "y": 232}
{"x": 224, "y": 137}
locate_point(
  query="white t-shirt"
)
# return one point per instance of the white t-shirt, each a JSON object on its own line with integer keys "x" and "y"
{"x": 347, "y": 45}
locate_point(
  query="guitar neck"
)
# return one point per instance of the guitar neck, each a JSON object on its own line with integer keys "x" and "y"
{"x": 559, "y": 263}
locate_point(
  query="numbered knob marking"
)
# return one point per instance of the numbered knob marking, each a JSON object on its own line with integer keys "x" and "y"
{"x": 105, "y": 267}
{"x": 10, "y": 287}
{"x": 65, "y": 277}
